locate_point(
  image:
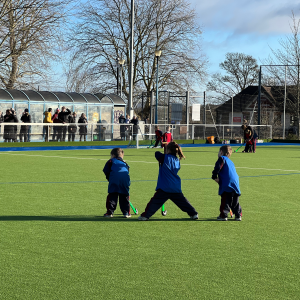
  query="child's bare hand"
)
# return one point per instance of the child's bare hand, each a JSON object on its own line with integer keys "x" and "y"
{"x": 217, "y": 180}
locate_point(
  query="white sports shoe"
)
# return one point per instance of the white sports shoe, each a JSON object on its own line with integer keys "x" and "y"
{"x": 195, "y": 217}
{"x": 238, "y": 219}
{"x": 141, "y": 218}
{"x": 221, "y": 219}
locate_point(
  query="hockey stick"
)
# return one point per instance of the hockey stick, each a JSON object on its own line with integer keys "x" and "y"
{"x": 163, "y": 211}
{"x": 239, "y": 147}
{"x": 134, "y": 209}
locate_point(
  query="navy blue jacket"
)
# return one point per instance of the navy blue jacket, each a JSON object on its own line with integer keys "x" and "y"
{"x": 228, "y": 177}
{"x": 168, "y": 180}
{"x": 116, "y": 171}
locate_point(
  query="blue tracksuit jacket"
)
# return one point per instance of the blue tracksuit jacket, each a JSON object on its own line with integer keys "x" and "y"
{"x": 116, "y": 171}
{"x": 228, "y": 177}
{"x": 168, "y": 180}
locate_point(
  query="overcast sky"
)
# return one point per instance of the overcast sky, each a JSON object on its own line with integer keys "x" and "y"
{"x": 247, "y": 26}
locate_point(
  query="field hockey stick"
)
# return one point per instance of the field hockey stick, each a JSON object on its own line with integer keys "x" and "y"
{"x": 231, "y": 214}
{"x": 163, "y": 211}
{"x": 239, "y": 147}
{"x": 152, "y": 143}
{"x": 134, "y": 209}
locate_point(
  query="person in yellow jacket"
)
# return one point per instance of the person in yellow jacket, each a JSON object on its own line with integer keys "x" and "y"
{"x": 47, "y": 119}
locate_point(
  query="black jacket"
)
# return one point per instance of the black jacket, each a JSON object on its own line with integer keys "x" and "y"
{"x": 26, "y": 118}
{"x": 63, "y": 116}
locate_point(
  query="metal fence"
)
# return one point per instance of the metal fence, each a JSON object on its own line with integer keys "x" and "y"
{"x": 37, "y": 132}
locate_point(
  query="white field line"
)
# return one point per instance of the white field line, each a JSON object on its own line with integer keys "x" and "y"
{"x": 138, "y": 161}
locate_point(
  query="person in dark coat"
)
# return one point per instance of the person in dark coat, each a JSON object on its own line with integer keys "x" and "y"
{"x": 135, "y": 123}
{"x": 82, "y": 128}
{"x": 9, "y": 130}
{"x": 63, "y": 117}
{"x": 72, "y": 128}
{"x": 26, "y": 118}
{"x": 122, "y": 121}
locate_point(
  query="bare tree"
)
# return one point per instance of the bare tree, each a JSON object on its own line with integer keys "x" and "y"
{"x": 241, "y": 71}
{"x": 28, "y": 40}
{"x": 288, "y": 54}
{"x": 103, "y": 36}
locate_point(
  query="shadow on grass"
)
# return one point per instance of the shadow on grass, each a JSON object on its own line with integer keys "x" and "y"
{"x": 75, "y": 218}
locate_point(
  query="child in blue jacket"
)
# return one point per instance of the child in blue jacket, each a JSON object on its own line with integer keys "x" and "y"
{"x": 226, "y": 176}
{"x": 116, "y": 171}
{"x": 169, "y": 184}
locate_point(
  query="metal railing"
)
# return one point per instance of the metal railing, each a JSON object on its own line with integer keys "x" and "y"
{"x": 109, "y": 132}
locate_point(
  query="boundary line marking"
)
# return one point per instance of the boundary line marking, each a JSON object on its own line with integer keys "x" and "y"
{"x": 145, "y": 162}
{"x": 146, "y": 180}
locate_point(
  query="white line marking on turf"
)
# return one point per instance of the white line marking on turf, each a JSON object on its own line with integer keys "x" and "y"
{"x": 138, "y": 161}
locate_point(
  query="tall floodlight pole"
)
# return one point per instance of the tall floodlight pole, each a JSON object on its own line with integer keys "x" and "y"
{"x": 121, "y": 62}
{"x": 231, "y": 115}
{"x": 284, "y": 103}
{"x": 131, "y": 62}
{"x": 259, "y": 100}
{"x": 157, "y": 55}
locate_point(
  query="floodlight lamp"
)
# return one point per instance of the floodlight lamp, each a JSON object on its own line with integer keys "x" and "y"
{"x": 121, "y": 61}
{"x": 157, "y": 53}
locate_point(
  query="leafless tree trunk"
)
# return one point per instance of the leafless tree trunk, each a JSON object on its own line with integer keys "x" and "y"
{"x": 28, "y": 40}
{"x": 103, "y": 36}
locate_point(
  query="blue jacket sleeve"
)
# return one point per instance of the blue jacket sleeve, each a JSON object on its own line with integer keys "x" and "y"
{"x": 107, "y": 169}
{"x": 159, "y": 157}
{"x": 217, "y": 169}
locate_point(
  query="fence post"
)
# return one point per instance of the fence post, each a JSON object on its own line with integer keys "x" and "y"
{"x": 187, "y": 114}
{"x": 193, "y": 131}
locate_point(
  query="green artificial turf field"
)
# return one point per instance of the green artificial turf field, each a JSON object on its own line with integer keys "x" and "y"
{"x": 54, "y": 244}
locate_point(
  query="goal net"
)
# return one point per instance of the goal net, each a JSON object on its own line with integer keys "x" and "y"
{"x": 142, "y": 141}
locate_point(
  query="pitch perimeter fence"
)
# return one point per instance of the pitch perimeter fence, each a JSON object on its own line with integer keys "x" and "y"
{"x": 37, "y": 132}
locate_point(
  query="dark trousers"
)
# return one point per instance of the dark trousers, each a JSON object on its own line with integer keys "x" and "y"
{"x": 23, "y": 134}
{"x": 230, "y": 201}
{"x": 157, "y": 142}
{"x": 160, "y": 197}
{"x": 71, "y": 136}
{"x": 46, "y": 133}
{"x": 55, "y": 133}
{"x": 61, "y": 133}
{"x": 251, "y": 147}
{"x": 112, "y": 201}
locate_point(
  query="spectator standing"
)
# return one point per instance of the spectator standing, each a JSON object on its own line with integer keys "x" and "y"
{"x": 15, "y": 126}
{"x": 122, "y": 121}
{"x": 9, "y": 130}
{"x": 63, "y": 118}
{"x": 72, "y": 127}
{"x": 55, "y": 128}
{"x": 47, "y": 120}
{"x": 82, "y": 128}
{"x": 135, "y": 123}
{"x": 127, "y": 119}
{"x": 26, "y": 118}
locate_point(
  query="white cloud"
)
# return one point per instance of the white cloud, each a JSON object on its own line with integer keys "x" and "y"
{"x": 244, "y": 16}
